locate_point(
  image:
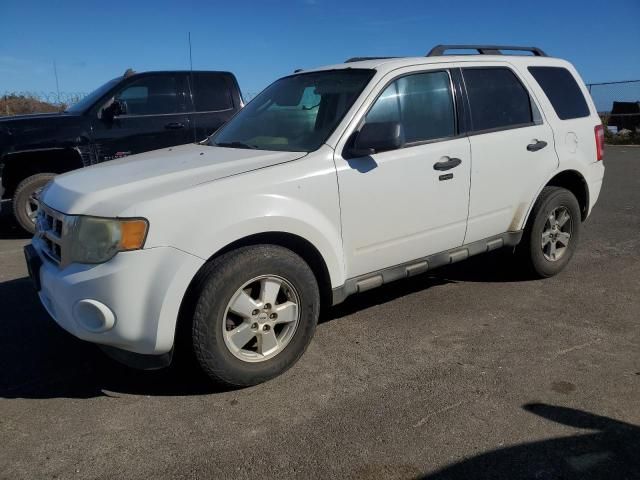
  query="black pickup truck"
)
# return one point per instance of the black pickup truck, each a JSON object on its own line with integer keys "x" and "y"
{"x": 131, "y": 114}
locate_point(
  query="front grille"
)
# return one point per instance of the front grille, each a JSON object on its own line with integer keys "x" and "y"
{"x": 50, "y": 231}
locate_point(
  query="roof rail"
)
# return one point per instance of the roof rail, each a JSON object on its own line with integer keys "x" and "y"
{"x": 439, "y": 50}
{"x": 360, "y": 59}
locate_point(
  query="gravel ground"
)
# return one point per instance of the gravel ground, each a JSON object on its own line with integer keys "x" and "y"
{"x": 468, "y": 372}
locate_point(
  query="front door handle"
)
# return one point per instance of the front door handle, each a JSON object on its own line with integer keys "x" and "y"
{"x": 536, "y": 145}
{"x": 447, "y": 164}
{"x": 174, "y": 126}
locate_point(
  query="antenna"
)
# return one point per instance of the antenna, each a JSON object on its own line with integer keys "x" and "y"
{"x": 55, "y": 73}
{"x": 192, "y": 88}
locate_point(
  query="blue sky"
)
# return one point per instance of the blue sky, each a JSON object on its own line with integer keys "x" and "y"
{"x": 93, "y": 41}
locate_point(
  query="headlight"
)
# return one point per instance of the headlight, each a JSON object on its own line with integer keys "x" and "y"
{"x": 97, "y": 240}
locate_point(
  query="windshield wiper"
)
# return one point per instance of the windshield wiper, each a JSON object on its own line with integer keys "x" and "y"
{"x": 236, "y": 145}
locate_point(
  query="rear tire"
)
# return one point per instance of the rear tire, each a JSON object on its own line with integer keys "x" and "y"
{"x": 552, "y": 232}
{"x": 256, "y": 312}
{"x": 24, "y": 202}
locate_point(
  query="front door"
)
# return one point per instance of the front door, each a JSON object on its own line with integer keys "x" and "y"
{"x": 155, "y": 117}
{"x": 410, "y": 202}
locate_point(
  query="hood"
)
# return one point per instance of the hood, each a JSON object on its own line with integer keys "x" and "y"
{"x": 109, "y": 188}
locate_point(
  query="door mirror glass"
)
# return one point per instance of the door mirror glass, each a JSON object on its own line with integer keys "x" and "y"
{"x": 375, "y": 137}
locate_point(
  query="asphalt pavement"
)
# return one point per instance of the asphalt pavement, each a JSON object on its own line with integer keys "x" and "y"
{"x": 468, "y": 372}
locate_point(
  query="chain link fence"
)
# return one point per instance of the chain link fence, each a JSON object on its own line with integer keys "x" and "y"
{"x": 618, "y": 104}
{"x": 18, "y": 103}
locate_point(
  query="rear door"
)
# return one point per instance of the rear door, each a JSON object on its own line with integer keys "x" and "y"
{"x": 156, "y": 117}
{"x": 512, "y": 149}
{"x": 396, "y": 205}
{"x": 214, "y": 99}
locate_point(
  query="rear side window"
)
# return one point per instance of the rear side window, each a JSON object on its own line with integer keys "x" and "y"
{"x": 421, "y": 102}
{"x": 211, "y": 93}
{"x": 497, "y": 99}
{"x": 562, "y": 91}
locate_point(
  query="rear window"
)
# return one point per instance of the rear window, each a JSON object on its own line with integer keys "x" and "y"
{"x": 497, "y": 98}
{"x": 211, "y": 93}
{"x": 562, "y": 91}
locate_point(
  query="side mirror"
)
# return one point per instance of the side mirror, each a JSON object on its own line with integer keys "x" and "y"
{"x": 117, "y": 107}
{"x": 377, "y": 137}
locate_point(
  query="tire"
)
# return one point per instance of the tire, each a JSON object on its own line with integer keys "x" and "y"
{"x": 220, "y": 292}
{"x": 23, "y": 202}
{"x": 546, "y": 256}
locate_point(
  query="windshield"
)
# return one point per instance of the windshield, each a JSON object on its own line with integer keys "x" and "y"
{"x": 90, "y": 99}
{"x": 296, "y": 113}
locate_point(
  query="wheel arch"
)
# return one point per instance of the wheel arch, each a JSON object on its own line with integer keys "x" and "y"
{"x": 299, "y": 245}
{"x": 20, "y": 165}
{"x": 573, "y": 181}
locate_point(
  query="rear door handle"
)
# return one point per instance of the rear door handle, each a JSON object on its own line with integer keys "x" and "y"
{"x": 536, "y": 145}
{"x": 174, "y": 126}
{"x": 447, "y": 164}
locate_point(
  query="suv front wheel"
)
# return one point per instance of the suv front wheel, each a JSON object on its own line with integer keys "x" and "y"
{"x": 552, "y": 232}
{"x": 256, "y": 312}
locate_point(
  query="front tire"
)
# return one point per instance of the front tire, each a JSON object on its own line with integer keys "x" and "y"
{"x": 256, "y": 313}
{"x": 552, "y": 232}
{"x": 25, "y": 205}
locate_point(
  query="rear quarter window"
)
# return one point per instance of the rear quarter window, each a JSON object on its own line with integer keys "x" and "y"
{"x": 562, "y": 90}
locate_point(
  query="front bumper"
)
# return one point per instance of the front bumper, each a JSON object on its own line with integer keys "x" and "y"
{"x": 130, "y": 302}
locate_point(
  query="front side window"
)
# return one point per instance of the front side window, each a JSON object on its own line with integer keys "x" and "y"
{"x": 296, "y": 113}
{"x": 422, "y": 103}
{"x": 562, "y": 91}
{"x": 497, "y": 99}
{"x": 150, "y": 96}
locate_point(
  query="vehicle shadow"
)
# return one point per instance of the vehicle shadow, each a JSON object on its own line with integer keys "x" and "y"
{"x": 609, "y": 451}
{"x": 40, "y": 360}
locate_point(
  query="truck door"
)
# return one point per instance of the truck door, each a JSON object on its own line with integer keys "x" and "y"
{"x": 154, "y": 115}
{"x": 215, "y": 98}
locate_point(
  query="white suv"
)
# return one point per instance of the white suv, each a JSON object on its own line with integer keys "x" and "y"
{"x": 330, "y": 182}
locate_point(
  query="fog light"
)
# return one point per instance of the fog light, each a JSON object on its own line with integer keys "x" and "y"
{"x": 94, "y": 316}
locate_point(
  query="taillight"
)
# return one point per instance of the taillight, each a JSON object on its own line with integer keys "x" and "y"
{"x": 599, "y": 131}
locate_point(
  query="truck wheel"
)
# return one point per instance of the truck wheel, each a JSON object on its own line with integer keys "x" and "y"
{"x": 552, "y": 233}
{"x": 25, "y": 206}
{"x": 256, "y": 312}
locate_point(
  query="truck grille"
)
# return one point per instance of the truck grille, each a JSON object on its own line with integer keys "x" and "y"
{"x": 50, "y": 231}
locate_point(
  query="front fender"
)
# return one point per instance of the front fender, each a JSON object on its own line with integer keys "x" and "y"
{"x": 299, "y": 198}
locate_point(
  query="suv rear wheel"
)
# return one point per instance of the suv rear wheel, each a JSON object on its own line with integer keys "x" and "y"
{"x": 256, "y": 313}
{"x": 552, "y": 233}
{"x": 25, "y": 205}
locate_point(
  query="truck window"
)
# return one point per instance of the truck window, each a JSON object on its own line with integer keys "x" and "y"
{"x": 497, "y": 99}
{"x": 562, "y": 91}
{"x": 211, "y": 93}
{"x": 151, "y": 95}
{"x": 421, "y": 102}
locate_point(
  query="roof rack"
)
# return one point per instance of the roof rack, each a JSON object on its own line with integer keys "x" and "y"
{"x": 439, "y": 50}
{"x": 360, "y": 59}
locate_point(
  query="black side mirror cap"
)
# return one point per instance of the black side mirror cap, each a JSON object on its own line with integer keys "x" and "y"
{"x": 376, "y": 137}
